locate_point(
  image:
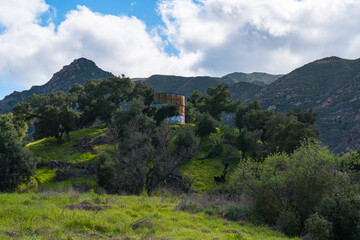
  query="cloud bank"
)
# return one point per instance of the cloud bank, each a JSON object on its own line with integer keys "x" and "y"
{"x": 212, "y": 37}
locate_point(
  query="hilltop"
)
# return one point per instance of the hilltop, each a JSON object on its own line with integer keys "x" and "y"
{"x": 257, "y": 78}
{"x": 79, "y": 71}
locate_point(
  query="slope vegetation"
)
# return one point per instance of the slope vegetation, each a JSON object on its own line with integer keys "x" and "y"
{"x": 331, "y": 87}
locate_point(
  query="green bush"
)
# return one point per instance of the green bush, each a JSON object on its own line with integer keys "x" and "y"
{"x": 185, "y": 138}
{"x": 318, "y": 227}
{"x": 236, "y": 212}
{"x": 205, "y": 125}
{"x": 341, "y": 207}
{"x": 289, "y": 222}
{"x": 106, "y": 171}
{"x": 298, "y": 181}
{"x": 17, "y": 164}
{"x": 189, "y": 206}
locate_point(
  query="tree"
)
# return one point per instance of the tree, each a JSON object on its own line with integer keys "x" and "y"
{"x": 263, "y": 132}
{"x": 100, "y": 99}
{"x": 141, "y": 158}
{"x": 216, "y": 102}
{"x": 52, "y": 116}
{"x": 205, "y": 125}
{"x": 16, "y": 162}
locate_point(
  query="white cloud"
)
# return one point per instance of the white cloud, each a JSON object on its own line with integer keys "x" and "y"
{"x": 262, "y": 35}
{"x": 31, "y": 53}
{"x": 17, "y": 13}
{"x": 213, "y": 37}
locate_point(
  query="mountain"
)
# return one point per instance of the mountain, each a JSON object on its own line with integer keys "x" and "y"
{"x": 181, "y": 85}
{"x": 79, "y": 71}
{"x": 186, "y": 85}
{"x": 244, "y": 90}
{"x": 257, "y": 78}
{"x": 331, "y": 87}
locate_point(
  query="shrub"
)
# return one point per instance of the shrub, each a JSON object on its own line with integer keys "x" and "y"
{"x": 106, "y": 171}
{"x": 318, "y": 227}
{"x": 185, "y": 139}
{"x": 189, "y": 206}
{"x": 236, "y": 212}
{"x": 206, "y": 125}
{"x": 16, "y": 162}
{"x": 342, "y": 208}
{"x": 298, "y": 181}
{"x": 289, "y": 222}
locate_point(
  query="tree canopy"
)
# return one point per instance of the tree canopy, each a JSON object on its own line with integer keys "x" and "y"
{"x": 16, "y": 162}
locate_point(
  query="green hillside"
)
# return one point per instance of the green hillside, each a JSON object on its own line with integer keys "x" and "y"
{"x": 181, "y": 85}
{"x": 60, "y": 211}
{"x": 244, "y": 90}
{"x": 257, "y": 78}
{"x": 48, "y": 150}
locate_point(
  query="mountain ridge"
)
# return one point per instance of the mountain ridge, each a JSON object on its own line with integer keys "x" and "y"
{"x": 78, "y": 71}
{"x": 329, "y": 86}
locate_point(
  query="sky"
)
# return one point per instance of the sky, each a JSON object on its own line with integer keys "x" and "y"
{"x": 140, "y": 38}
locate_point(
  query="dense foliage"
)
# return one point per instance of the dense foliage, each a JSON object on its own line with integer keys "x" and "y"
{"x": 142, "y": 158}
{"x": 295, "y": 187}
{"x": 16, "y": 162}
{"x": 52, "y": 116}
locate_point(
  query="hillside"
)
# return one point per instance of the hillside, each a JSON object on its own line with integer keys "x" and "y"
{"x": 79, "y": 71}
{"x": 64, "y": 171}
{"x": 257, "y": 78}
{"x": 331, "y": 87}
{"x": 244, "y": 90}
{"x": 186, "y": 85}
{"x": 181, "y": 85}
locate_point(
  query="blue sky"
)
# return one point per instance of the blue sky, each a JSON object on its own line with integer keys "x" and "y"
{"x": 140, "y": 38}
{"x": 142, "y": 9}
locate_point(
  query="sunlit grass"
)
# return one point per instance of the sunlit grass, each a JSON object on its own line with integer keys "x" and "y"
{"x": 45, "y": 216}
{"x": 49, "y": 149}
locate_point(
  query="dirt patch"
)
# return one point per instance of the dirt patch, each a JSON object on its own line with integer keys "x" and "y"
{"x": 85, "y": 205}
{"x": 142, "y": 223}
{"x": 12, "y": 234}
{"x": 86, "y": 144}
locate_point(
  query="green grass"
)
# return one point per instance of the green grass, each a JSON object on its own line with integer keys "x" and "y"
{"x": 202, "y": 172}
{"x": 45, "y": 216}
{"x": 48, "y": 149}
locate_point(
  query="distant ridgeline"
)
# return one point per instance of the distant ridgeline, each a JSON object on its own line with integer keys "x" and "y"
{"x": 162, "y": 99}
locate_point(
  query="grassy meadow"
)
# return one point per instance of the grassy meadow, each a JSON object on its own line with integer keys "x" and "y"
{"x": 71, "y": 215}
